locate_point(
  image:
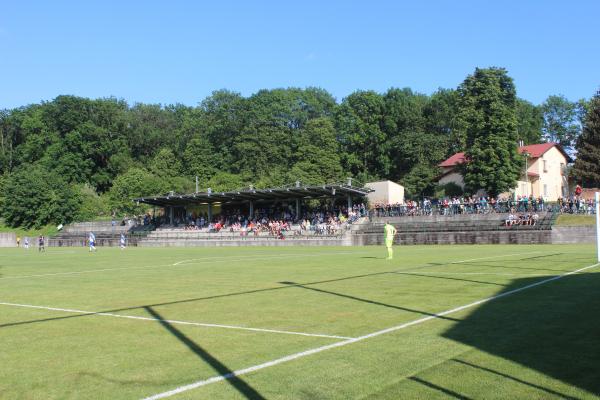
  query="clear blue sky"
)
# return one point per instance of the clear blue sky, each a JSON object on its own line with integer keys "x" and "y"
{"x": 180, "y": 51}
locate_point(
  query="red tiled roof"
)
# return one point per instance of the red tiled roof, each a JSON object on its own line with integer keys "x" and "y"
{"x": 458, "y": 158}
{"x": 535, "y": 150}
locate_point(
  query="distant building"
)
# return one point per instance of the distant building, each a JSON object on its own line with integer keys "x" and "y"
{"x": 546, "y": 176}
{"x": 385, "y": 192}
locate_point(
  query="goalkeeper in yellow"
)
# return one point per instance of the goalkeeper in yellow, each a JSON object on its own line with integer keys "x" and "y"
{"x": 388, "y": 235}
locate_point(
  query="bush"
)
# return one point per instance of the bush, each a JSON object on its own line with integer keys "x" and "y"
{"x": 136, "y": 182}
{"x": 92, "y": 205}
{"x": 34, "y": 197}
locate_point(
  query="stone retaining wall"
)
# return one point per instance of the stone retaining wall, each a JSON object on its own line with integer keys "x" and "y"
{"x": 573, "y": 234}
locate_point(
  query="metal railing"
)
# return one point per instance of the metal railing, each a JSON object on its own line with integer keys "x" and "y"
{"x": 402, "y": 210}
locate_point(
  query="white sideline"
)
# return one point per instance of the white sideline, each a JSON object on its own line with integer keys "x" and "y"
{"x": 353, "y": 340}
{"x": 501, "y": 255}
{"x": 206, "y": 260}
{"x": 260, "y": 257}
{"x": 409, "y": 272}
{"x": 226, "y": 259}
{"x": 243, "y": 328}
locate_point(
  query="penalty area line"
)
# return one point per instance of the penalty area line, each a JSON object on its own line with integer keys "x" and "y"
{"x": 202, "y": 324}
{"x": 302, "y": 354}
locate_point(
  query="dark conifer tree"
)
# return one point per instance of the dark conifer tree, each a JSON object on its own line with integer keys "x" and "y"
{"x": 587, "y": 165}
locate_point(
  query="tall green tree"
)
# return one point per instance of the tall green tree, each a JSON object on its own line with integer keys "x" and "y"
{"x": 487, "y": 117}
{"x": 562, "y": 121}
{"x": 200, "y": 159}
{"x": 221, "y": 122}
{"x": 317, "y": 154}
{"x": 440, "y": 115}
{"x": 587, "y": 164}
{"x": 165, "y": 164}
{"x": 529, "y": 122}
{"x": 271, "y": 121}
{"x": 365, "y": 145}
{"x": 420, "y": 180}
{"x": 403, "y": 123}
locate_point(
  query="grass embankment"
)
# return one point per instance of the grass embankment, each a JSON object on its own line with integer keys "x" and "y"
{"x": 575, "y": 220}
{"x": 48, "y": 230}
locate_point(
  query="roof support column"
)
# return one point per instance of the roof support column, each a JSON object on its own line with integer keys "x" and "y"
{"x": 349, "y": 203}
{"x": 251, "y": 209}
{"x": 297, "y": 209}
{"x": 171, "y": 215}
{"x": 209, "y": 213}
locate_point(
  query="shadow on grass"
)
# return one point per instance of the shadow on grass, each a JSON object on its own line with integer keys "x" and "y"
{"x": 447, "y": 278}
{"x": 514, "y": 379}
{"x": 438, "y": 388}
{"x": 504, "y": 266}
{"x": 168, "y": 303}
{"x": 553, "y": 329}
{"x": 377, "y": 303}
{"x": 239, "y": 384}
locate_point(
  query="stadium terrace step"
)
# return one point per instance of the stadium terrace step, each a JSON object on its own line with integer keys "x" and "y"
{"x": 264, "y": 241}
{"x": 457, "y": 229}
{"x": 106, "y": 233}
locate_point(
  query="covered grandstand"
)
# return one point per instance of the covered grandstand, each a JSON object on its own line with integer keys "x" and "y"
{"x": 247, "y": 200}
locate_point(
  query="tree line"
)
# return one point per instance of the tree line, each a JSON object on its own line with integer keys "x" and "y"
{"x": 74, "y": 158}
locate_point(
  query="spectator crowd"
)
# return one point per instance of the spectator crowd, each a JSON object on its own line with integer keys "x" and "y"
{"x": 483, "y": 205}
{"x": 276, "y": 221}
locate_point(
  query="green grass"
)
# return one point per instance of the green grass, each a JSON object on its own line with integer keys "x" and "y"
{"x": 541, "y": 343}
{"x": 575, "y": 220}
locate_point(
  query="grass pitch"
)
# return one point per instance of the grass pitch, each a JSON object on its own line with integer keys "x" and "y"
{"x": 302, "y": 323}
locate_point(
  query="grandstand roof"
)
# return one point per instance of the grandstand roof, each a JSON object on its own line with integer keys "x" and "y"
{"x": 246, "y": 194}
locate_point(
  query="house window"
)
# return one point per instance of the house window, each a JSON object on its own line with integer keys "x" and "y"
{"x": 545, "y": 190}
{"x": 545, "y": 166}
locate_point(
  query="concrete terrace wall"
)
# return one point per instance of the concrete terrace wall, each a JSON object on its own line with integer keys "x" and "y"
{"x": 8, "y": 239}
{"x": 484, "y": 237}
{"x": 241, "y": 242}
{"x": 573, "y": 234}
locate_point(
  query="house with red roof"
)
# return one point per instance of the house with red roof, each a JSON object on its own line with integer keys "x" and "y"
{"x": 544, "y": 175}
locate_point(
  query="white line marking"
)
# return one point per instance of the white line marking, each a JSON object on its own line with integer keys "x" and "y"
{"x": 353, "y": 340}
{"x": 83, "y": 272}
{"x": 203, "y": 260}
{"x": 501, "y": 255}
{"x": 466, "y": 273}
{"x": 207, "y": 260}
{"x": 243, "y": 328}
